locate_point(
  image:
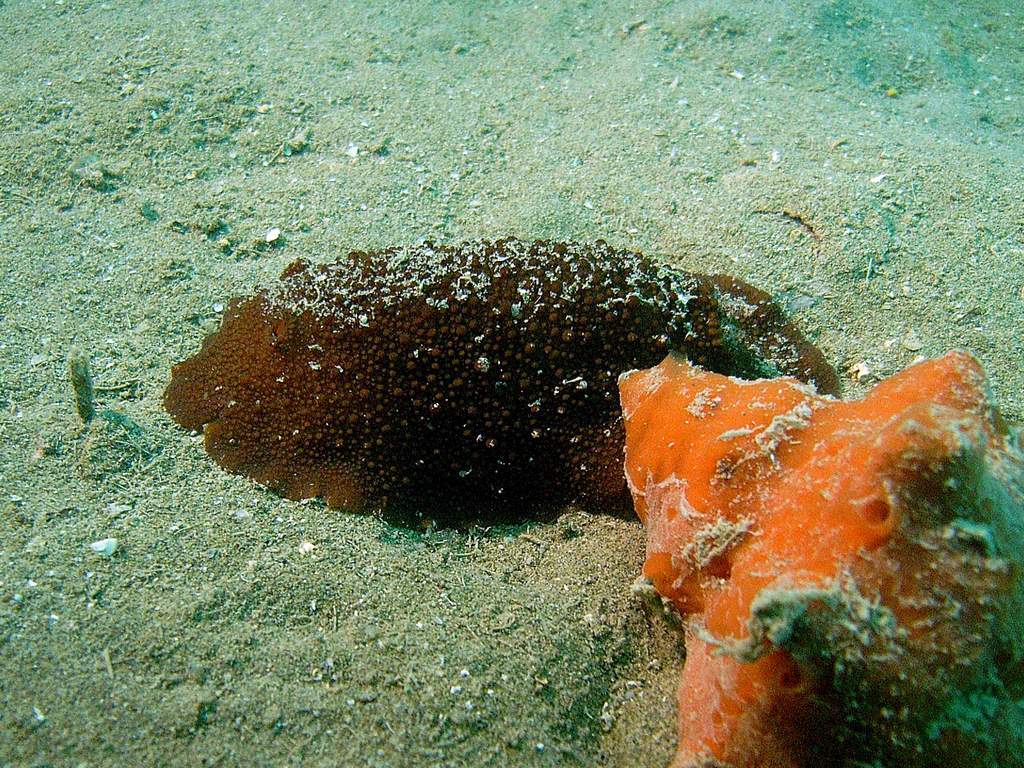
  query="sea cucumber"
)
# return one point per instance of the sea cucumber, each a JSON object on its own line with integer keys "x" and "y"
{"x": 478, "y": 378}
{"x": 850, "y": 572}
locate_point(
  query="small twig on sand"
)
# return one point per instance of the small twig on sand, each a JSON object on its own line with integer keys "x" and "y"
{"x": 81, "y": 383}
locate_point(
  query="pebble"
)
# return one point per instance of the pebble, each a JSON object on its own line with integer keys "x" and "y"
{"x": 860, "y": 371}
{"x": 299, "y": 142}
{"x": 911, "y": 342}
{"x": 272, "y": 234}
{"x": 104, "y": 547}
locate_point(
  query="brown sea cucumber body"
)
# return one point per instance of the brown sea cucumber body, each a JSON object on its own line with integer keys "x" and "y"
{"x": 476, "y": 378}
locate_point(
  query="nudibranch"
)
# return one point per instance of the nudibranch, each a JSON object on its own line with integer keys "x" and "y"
{"x": 479, "y": 377}
{"x": 849, "y": 572}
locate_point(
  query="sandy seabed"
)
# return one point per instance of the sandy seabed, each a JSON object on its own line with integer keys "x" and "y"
{"x": 860, "y": 160}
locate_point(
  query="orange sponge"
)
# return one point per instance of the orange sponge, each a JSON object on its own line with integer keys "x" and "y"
{"x": 849, "y": 571}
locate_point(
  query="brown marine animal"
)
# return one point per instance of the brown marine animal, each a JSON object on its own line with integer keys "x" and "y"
{"x": 475, "y": 379}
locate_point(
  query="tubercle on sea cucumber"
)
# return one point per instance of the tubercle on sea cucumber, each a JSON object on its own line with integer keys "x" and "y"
{"x": 476, "y": 379}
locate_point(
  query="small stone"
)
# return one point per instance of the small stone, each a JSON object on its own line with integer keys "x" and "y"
{"x": 272, "y": 235}
{"x": 306, "y": 547}
{"x": 93, "y": 172}
{"x": 104, "y": 547}
{"x": 911, "y": 342}
{"x": 298, "y": 143}
{"x": 860, "y": 371}
{"x": 352, "y": 150}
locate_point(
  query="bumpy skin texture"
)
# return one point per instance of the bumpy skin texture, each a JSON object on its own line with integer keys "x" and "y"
{"x": 478, "y": 378}
{"x": 850, "y": 571}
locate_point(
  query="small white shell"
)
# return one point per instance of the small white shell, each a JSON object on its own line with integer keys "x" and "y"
{"x": 104, "y": 547}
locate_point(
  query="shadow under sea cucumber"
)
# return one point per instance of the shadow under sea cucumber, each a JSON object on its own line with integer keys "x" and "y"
{"x": 470, "y": 380}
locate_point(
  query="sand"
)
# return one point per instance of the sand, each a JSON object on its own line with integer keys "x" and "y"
{"x": 862, "y": 161}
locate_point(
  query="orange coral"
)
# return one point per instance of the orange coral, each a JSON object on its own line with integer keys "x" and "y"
{"x": 849, "y": 570}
